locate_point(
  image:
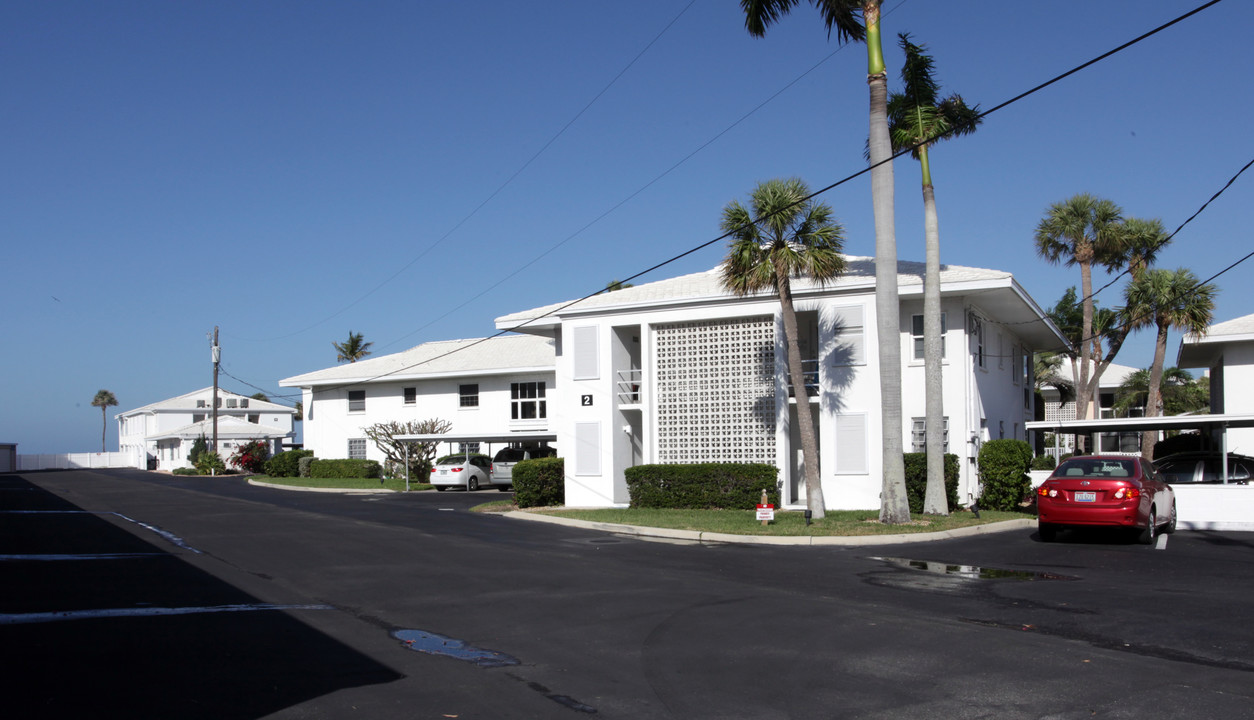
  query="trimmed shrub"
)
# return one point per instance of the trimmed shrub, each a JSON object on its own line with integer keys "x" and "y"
{"x": 1044, "y": 462}
{"x": 185, "y": 471}
{"x": 700, "y": 486}
{"x": 1004, "y": 474}
{"x": 287, "y": 463}
{"x": 345, "y": 469}
{"x": 303, "y": 465}
{"x": 916, "y": 480}
{"x": 540, "y": 482}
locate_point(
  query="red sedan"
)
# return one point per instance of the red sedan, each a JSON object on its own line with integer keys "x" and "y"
{"x": 1106, "y": 491}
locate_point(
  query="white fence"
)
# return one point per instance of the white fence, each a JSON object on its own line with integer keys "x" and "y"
{"x": 72, "y": 461}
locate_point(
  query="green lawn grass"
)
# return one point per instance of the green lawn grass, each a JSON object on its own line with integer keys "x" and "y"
{"x": 397, "y": 484}
{"x": 786, "y": 523}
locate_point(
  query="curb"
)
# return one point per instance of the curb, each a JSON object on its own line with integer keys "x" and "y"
{"x": 809, "y": 540}
{"x": 298, "y": 488}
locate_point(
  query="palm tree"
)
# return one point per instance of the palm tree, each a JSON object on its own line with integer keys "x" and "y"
{"x": 104, "y": 400}
{"x": 1178, "y": 392}
{"x": 781, "y": 236}
{"x": 918, "y": 118}
{"x": 1082, "y": 230}
{"x": 1166, "y": 299}
{"x": 859, "y": 21}
{"x": 352, "y": 349}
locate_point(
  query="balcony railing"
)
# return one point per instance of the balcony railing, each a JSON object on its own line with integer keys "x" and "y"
{"x": 810, "y": 371}
{"x": 629, "y": 382}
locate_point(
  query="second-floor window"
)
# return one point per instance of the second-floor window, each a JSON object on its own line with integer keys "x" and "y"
{"x": 527, "y": 401}
{"x": 411, "y": 395}
{"x": 468, "y": 395}
{"x": 916, "y": 335}
{"x": 356, "y": 400}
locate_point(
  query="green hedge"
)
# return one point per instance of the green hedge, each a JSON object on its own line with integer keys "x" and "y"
{"x": 345, "y": 469}
{"x": 732, "y": 486}
{"x": 286, "y": 464}
{"x": 185, "y": 471}
{"x": 916, "y": 480}
{"x": 1004, "y": 477}
{"x": 1043, "y": 462}
{"x": 540, "y": 482}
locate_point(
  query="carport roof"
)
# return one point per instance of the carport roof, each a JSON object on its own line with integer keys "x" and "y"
{"x": 1170, "y": 422}
{"x": 480, "y": 437}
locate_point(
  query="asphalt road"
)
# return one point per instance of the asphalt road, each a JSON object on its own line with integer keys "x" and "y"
{"x": 138, "y": 595}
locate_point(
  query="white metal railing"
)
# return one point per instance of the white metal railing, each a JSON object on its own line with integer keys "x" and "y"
{"x": 629, "y": 382}
{"x": 810, "y": 371}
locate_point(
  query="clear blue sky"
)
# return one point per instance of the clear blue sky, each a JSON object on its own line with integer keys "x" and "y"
{"x": 291, "y": 171}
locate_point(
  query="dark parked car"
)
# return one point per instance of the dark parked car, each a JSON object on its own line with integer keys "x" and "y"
{"x": 1203, "y": 467}
{"x": 1106, "y": 491}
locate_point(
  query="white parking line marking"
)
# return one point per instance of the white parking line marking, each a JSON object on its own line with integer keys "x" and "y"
{"x": 78, "y": 556}
{"x": 46, "y": 617}
{"x": 169, "y": 537}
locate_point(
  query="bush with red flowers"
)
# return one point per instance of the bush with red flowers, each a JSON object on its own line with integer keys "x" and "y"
{"x": 251, "y": 456}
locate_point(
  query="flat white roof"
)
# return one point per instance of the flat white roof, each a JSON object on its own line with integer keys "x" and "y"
{"x": 1169, "y": 422}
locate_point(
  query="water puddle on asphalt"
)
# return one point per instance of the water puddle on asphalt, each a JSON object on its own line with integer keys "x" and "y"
{"x": 433, "y": 644}
{"x": 971, "y": 572}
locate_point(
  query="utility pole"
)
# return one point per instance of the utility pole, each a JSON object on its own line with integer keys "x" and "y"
{"x": 217, "y": 358}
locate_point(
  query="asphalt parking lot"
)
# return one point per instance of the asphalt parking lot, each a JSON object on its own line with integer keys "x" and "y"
{"x": 124, "y": 592}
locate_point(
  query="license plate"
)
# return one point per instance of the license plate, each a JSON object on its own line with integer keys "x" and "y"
{"x": 1086, "y": 497}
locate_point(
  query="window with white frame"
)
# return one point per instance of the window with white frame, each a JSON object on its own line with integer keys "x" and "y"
{"x": 357, "y": 448}
{"x": 411, "y": 395}
{"x": 918, "y": 435}
{"x": 916, "y": 335}
{"x": 468, "y": 395}
{"x": 849, "y": 325}
{"x": 198, "y": 417}
{"x": 356, "y": 400}
{"x": 527, "y": 401}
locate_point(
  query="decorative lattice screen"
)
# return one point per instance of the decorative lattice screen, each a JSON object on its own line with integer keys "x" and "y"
{"x": 715, "y": 390}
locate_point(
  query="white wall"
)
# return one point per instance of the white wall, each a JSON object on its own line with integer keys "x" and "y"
{"x": 328, "y": 424}
{"x": 1238, "y": 378}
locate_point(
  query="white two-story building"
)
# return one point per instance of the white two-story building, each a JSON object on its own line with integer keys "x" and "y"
{"x": 681, "y": 370}
{"x": 486, "y": 387}
{"x": 163, "y": 432}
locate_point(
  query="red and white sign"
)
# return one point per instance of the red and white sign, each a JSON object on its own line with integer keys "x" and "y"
{"x": 766, "y": 512}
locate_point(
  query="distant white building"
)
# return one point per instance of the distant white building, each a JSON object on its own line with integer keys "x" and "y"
{"x": 163, "y": 432}
{"x": 681, "y": 370}
{"x": 1227, "y": 351}
{"x": 1057, "y": 409}
{"x": 488, "y": 386}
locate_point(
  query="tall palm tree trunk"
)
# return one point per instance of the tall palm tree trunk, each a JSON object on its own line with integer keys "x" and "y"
{"x": 1084, "y": 392}
{"x": 1153, "y": 398}
{"x": 935, "y": 501}
{"x": 894, "y": 505}
{"x": 104, "y": 426}
{"x": 805, "y": 421}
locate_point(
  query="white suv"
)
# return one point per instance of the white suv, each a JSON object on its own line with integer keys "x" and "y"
{"x": 506, "y": 458}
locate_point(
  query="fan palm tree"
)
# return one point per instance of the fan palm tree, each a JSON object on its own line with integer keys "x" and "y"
{"x": 1083, "y": 230}
{"x": 353, "y": 349}
{"x": 1140, "y": 240}
{"x": 1166, "y": 299}
{"x": 1134, "y": 391}
{"x": 104, "y": 400}
{"x": 918, "y": 118}
{"x": 859, "y": 21}
{"x": 781, "y": 236}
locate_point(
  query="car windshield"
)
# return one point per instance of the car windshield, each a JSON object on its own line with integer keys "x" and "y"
{"x": 1097, "y": 468}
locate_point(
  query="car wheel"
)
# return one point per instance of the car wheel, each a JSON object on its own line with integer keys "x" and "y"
{"x": 441, "y": 488}
{"x": 1170, "y": 527}
{"x": 1149, "y": 534}
{"x": 1048, "y": 532}
{"x": 472, "y": 484}
{"x": 504, "y": 488}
